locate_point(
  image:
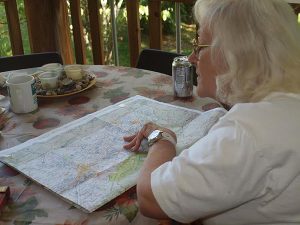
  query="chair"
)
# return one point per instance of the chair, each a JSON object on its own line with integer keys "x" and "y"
{"x": 158, "y": 61}
{"x": 27, "y": 61}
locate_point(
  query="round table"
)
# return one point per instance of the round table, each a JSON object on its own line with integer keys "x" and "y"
{"x": 32, "y": 204}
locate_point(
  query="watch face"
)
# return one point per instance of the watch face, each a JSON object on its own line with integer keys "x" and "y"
{"x": 154, "y": 134}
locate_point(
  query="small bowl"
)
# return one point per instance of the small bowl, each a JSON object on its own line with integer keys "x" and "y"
{"x": 53, "y": 67}
{"x": 49, "y": 80}
{"x": 74, "y": 72}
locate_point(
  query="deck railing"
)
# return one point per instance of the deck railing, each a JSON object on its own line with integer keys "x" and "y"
{"x": 49, "y": 30}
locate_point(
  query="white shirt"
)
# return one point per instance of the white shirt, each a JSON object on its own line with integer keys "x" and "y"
{"x": 246, "y": 170}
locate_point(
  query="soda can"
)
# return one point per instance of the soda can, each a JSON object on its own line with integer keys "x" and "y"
{"x": 182, "y": 73}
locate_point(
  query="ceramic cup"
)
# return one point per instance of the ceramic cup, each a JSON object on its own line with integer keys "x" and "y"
{"x": 74, "y": 72}
{"x": 49, "y": 80}
{"x": 53, "y": 67}
{"x": 22, "y": 93}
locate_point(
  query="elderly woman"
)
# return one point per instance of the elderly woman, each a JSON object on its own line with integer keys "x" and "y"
{"x": 246, "y": 170}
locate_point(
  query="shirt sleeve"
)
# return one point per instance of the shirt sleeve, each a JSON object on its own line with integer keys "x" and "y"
{"x": 221, "y": 171}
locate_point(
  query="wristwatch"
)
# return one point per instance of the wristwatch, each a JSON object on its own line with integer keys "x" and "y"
{"x": 157, "y": 135}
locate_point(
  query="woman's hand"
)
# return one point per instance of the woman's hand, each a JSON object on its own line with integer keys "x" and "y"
{"x": 147, "y": 202}
{"x": 136, "y": 139}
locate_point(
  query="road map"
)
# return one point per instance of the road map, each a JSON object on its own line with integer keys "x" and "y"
{"x": 84, "y": 161}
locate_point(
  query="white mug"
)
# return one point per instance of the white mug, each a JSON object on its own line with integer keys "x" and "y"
{"x": 22, "y": 93}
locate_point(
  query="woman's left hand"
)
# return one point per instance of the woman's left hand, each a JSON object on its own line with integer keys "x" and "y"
{"x": 136, "y": 139}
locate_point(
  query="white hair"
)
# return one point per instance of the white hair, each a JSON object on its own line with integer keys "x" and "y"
{"x": 260, "y": 42}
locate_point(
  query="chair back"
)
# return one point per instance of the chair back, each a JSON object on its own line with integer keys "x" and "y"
{"x": 27, "y": 61}
{"x": 159, "y": 61}
{"x": 156, "y": 60}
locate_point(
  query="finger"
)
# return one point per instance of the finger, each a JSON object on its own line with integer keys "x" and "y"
{"x": 130, "y": 145}
{"x": 142, "y": 134}
{"x": 138, "y": 140}
{"x": 129, "y": 138}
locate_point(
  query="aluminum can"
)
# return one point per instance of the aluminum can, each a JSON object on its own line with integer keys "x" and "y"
{"x": 182, "y": 73}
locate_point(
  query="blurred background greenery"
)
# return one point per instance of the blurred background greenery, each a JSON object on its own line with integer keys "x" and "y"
{"x": 188, "y": 29}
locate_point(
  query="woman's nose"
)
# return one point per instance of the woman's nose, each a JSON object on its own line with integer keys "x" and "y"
{"x": 193, "y": 58}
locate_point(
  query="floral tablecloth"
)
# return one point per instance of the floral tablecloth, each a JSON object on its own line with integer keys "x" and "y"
{"x": 31, "y": 203}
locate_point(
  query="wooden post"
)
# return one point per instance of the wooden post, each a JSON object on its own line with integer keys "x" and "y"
{"x": 14, "y": 27}
{"x": 79, "y": 44}
{"x": 62, "y": 31}
{"x": 134, "y": 30}
{"x": 40, "y": 25}
{"x": 155, "y": 27}
{"x": 96, "y": 34}
{"x": 48, "y": 27}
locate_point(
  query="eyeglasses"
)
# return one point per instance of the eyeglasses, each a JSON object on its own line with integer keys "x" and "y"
{"x": 198, "y": 47}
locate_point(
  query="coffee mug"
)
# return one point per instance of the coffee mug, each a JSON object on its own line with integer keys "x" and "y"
{"x": 22, "y": 93}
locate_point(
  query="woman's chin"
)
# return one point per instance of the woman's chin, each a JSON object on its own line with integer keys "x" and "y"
{"x": 204, "y": 94}
{"x": 201, "y": 94}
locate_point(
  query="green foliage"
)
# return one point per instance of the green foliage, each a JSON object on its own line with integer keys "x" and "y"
{"x": 4, "y": 37}
{"x": 23, "y": 26}
{"x": 5, "y": 46}
{"x": 168, "y": 18}
{"x": 144, "y": 18}
{"x": 167, "y": 14}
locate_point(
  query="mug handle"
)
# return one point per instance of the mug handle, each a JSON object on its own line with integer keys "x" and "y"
{"x": 9, "y": 75}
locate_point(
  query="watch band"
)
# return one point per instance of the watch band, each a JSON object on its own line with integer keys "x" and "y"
{"x": 157, "y": 135}
{"x": 168, "y": 137}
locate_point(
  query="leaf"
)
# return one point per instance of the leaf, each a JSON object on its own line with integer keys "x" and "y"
{"x": 136, "y": 73}
{"x": 40, "y": 213}
{"x": 24, "y": 212}
{"x": 26, "y": 206}
{"x": 114, "y": 93}
{"x": 151, "y": 93}
{"x": 28, "y": 217}
{"x": 27, "y": 182}
{"x": 112, "y": 212}
{"x": 129, "y": 211}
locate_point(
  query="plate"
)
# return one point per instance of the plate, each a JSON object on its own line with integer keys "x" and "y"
{"x": 91, "y": 84}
